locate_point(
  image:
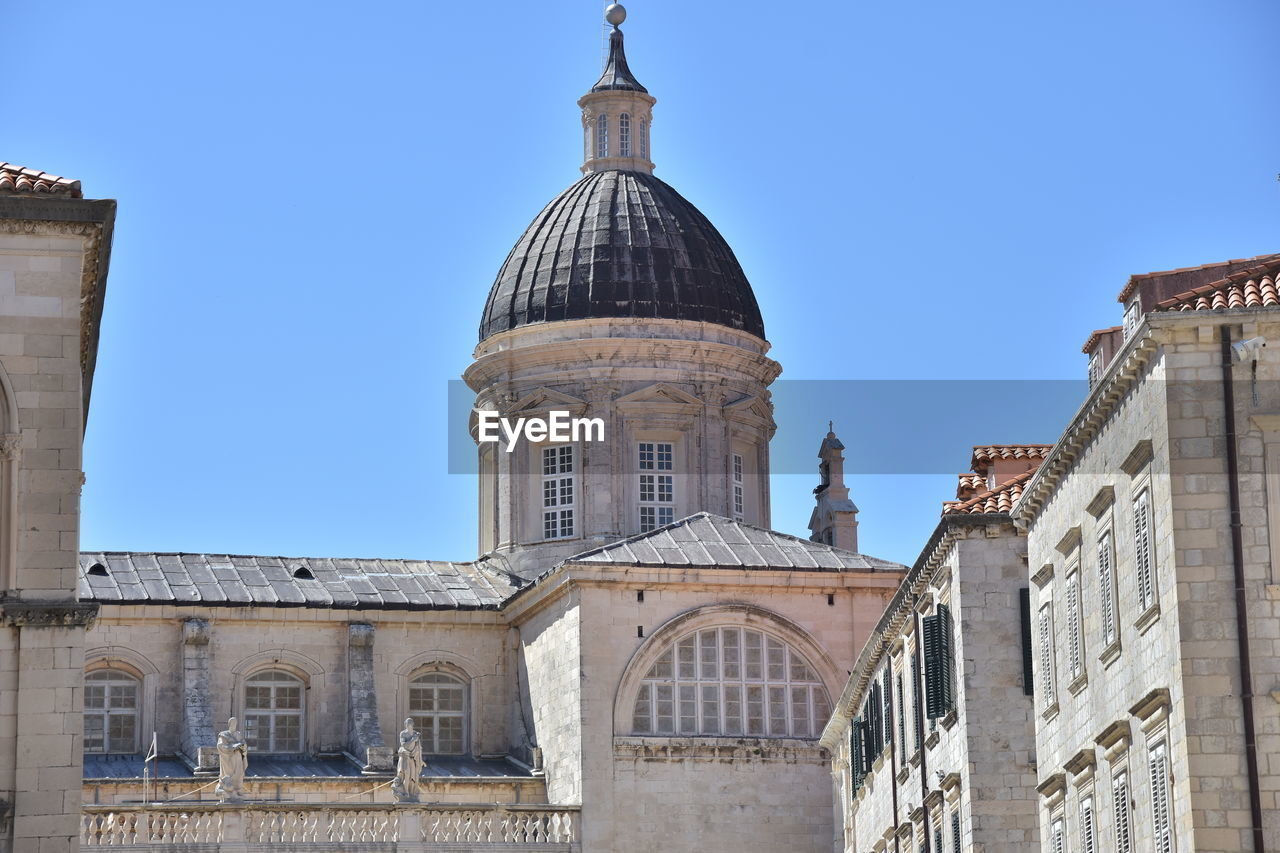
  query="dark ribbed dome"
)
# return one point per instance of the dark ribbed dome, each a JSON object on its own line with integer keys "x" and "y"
{"x": 621, "y": 244}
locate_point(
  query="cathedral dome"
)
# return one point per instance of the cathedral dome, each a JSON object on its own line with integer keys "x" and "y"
{"x": 621, "y": 243}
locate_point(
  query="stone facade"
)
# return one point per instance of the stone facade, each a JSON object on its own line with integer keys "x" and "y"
{"x": 54, "y": 250}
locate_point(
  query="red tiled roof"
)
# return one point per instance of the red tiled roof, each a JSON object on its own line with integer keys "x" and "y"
{"x": 970, "y": 485}
{"x": 1094, "y": 337}
{"x": 1254, "y": 287}
{"x": 19, "y": 179}
{"x": 1135, "y": 280}
{"x": 984, "y": 454}
{"x": 998, "y": 500}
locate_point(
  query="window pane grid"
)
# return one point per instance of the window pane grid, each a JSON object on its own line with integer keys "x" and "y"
{"x": 110, "y": 712}
{"x": 602, "y": 135}
{"x": 737, "y": 486}
{"x": 624, "y": 135}
{"x": 656, "y": 491}
{"x": 437, "y": 706}
{"x": 558, "y": 492}
{"x": 731, "y": 681}
{"x": 273, "y": 713}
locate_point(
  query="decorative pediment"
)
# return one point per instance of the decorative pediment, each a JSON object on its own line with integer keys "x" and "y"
{"x": 750, "y": 409}
{"x": 660, "y": 393}
{"x": 545, "y": 400}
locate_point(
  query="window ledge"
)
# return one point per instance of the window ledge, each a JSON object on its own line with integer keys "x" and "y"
{"x": 950, "y": 719}
{"x": 1080, "y": 683}
{"x": 1148, "y": 618}
{"x": 903, "y": 774}
{"x": 1049, "y": 713}
{"x": 1111, "y": 653}
{"x": 932, "y": 740}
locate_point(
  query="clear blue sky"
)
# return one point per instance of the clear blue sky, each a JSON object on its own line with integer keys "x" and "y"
{"x": 315, "y": 197}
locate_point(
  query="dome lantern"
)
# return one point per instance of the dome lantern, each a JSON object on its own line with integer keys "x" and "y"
{"x": 618, "y": 111}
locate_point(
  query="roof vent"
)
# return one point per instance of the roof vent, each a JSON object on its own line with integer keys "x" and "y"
{"x": 99, "y": 570}
{"x": 303, "y": 573}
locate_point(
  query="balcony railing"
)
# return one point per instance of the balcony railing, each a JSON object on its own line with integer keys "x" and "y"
{"x": 241, "y": 826}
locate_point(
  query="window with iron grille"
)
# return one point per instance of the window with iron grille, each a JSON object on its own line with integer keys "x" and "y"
{"x": 1107, "y": 587}
{"x": 1144, "y": 552}
{"x": 656, "y": 488}
{"x": 559, "y": 494}
{"x": 111, "y": 712}
{"x": 437, "y": 704}
{"x": 273, "y": 712}
{"x": 731, "y": 681}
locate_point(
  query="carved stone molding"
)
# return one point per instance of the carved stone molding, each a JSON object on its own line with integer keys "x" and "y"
{"x": 48, "y": 614}
{"x": 745, "y": 750}
{"x": 10, "y": 445}
{"x": 195, "y": 632}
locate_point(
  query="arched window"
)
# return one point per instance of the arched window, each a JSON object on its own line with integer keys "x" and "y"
{"x": 731, "y": 681}
{"x": 644, "y": 138}
{"x": 111, "y": 711}
{"x": 602, "y": 135}
{"x": 437, "y": 704}
{"x": 273, "y": 712}
{"x": 624, "y": 135}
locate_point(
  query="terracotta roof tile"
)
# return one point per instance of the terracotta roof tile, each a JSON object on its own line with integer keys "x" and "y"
{"x": 1095, "y": 336}
{"x": 19, "y": 179}
{"x": 1135, "y": 280}
{"x": 1254, "y": 287}
{"x": 970, "y": 485}
{"x": 998, "y": 500}
{"x": 984, "y": 454}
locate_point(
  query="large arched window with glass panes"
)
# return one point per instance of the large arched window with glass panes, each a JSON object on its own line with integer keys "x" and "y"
{"x": 731, "y": 681}
{"x": 438, "y": 706}
{"x": 111, "y": 701}
{"x": 273, "y": 712}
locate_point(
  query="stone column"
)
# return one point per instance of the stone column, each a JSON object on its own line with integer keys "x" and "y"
{"x": 198, "y": 743}
{"x": 364, "y": 735}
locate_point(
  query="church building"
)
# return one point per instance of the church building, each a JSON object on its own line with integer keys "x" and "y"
{"x": 634, "y": 661}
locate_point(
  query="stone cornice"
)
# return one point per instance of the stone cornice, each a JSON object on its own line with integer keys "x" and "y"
{"x": 17, "y": 612}
{"x": 738, "y": 750}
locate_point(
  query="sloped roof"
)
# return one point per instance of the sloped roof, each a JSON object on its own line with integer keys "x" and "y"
{"x": 20, "y": 179}
{"x": 1184, "y": 278}
{"x": 1253, "y": 287}
{"x": 985, "y": 454}
{"x": 998, "y": 500}
{"x": 1097, "y": 335}
{"x": 969, "y": 485}
{"x": 705, "y": 540}
{"x": 215, "y": 579}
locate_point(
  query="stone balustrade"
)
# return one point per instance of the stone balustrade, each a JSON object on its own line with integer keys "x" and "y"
{"x": 245, "y": 827}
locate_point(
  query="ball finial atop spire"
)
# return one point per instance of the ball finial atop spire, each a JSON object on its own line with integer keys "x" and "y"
{"x": 615, "y": 14}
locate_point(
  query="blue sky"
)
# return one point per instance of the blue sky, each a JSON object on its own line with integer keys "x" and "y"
{"x": 314, "y": 199}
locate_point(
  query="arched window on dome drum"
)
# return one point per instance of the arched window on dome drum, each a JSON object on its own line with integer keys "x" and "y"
{"x": 273, "y": 712}
{"x": 731, "y": 681}
{"x": 602, "y": 135}
{"x": 644, "y": 138}
{"x": 624, "y": 135}
{"x": 111, "y": 712}
{"x": 437, "y": 704}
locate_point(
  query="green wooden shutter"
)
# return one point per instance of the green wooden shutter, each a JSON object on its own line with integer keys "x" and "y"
{"x": 855, "y": 753}
{"x": 887, "y": 691}
{"x": 1028, "y": 653}
{"x": 939, "y": 663}
{"x": 916, "y": 701}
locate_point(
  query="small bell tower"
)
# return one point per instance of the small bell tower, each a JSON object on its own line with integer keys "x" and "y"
{"x": 835, "y": 518}
{"x": 617, "y": 113}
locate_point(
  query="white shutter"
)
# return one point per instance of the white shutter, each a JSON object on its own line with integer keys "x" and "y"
{"x": 1142, "y": 548}
{"x": 1059, "y": 840}
{"x": 1073, "y": 625}
{"x": 1087, "y": 840}
{"x": 1046, "y": 654}
{"x": 1120, "y": 794}
{"x": 1163, "y": 830}
{"x": 1107, "y": 585}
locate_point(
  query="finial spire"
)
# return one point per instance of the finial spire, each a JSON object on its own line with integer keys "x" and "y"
{"x": 617, "y": 76}
{"x": 618, "y": 112}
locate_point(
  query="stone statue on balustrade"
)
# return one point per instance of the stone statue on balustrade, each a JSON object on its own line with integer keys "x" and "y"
{"x": 233, "y": 761}
{"x": 408, "y": 765}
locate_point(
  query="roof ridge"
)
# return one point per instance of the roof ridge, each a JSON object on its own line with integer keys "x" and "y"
{"x": 87, "y": 552}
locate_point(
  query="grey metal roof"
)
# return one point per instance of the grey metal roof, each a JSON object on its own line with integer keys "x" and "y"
{"x": 712, "y": 541}
{"x": 621, "y": 244}
{"x": 230, "y": 580}
{"x": 617, "y": 76}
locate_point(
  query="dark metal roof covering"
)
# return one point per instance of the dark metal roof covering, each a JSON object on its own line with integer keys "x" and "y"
{"x": 713, "y": 541}
{"x": 212, "y": 579}
{"x": 621, "y": 244}
{"x": 617, "y": 76}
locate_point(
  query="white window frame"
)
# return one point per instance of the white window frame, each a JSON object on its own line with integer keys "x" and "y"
{"x": 273, "y": 742}
{"x": 1048, "y": 683}
{"x": 644, "y": 138}
{"x": 655, "y": 484}
{"x": 1132, "y": 315}
{"x": 124, "y": 691}
{"x": 1107, "y": 586}
{"x": 1088, "y": 823}
{"x": 602, "y": 135}
{"x": 624, "y": 135}
{"x": 428, "y": 720}
{"x": 737, "y": 485}
{"x": 1121, "y": 812}
{"x": 1075, "y": 626}
{"x": 731, "y": 681}
{"x": 1057, "y": 832}
{"x": 1144, "y": 552}
{"x": 1095, "y": 368}
{"x": 1161, "y": 791}
{"x": 558, "y": 492}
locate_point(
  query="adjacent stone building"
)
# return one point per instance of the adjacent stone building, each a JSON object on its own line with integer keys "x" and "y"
{"x": 55, "y": 246}
{"x": 932, "y": 740}
{"x": 1153, "y": 545}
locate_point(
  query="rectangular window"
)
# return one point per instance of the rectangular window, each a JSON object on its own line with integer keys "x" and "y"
{"x": 1057, "y": 834}
{"x": 1095, "y": 368}
{"x": 656, "y": 489}
{"x": 1028, "y": 650}
{"x": 602, "y": 136}
{"x": 1144, "y": 554}
{"x": 1088, "y": 830}
{"x": 887, "y": 691}
{"x": 1046, "y": 655}
{"x": 1120, "y": 806}
{"x": 737, "y": 485}
{"x": 902, "y": 722}
{"x": 558, "y": 492}
{"x": 955, "y": 831}
{"x": 624, "y": 135}
{"x": 1132, "y": 316}
{"x": 1161, "y": 822}
{"x": 856, "y": 760}
{"x": 1107, "y": 587}
{"x": 915, "y": 701}
{"x": 1075, "y": 630}
{"x": 939, "y": 663}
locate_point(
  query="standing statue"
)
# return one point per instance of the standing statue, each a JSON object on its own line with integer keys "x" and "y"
{"x": 408, "y": 764}
{"x": 233, "y": 761}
